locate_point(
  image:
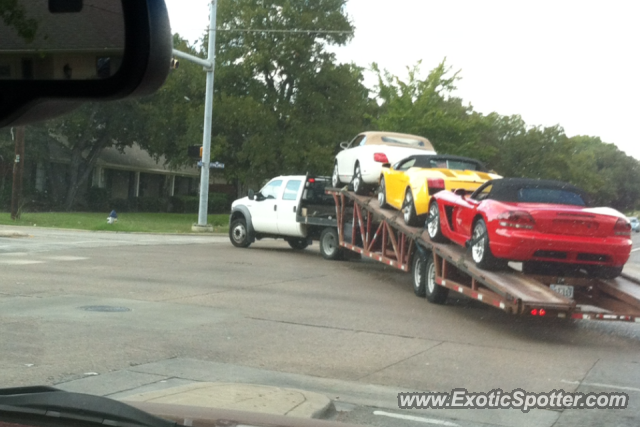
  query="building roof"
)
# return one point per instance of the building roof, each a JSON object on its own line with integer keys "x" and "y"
{"x": 98, "y": 27}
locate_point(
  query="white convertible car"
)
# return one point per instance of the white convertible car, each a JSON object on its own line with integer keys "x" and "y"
{"x": 360, "y": 161}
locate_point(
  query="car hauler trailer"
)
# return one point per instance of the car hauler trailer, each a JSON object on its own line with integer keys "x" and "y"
{"x": 365, "y": 228}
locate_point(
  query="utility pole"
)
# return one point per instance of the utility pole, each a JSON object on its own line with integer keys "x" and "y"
{"x": 209, "y": 66}
{"x": 18, "y": 168}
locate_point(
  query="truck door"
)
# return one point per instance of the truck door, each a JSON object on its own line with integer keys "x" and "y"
{"x": 264, "y": 213}
{"x": 288, "y": 207}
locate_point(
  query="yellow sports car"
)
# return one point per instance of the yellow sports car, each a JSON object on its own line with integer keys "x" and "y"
{"x": 409, "y": 184}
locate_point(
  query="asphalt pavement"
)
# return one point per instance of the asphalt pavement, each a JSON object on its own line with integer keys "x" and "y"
{"x": 124, "y": 314}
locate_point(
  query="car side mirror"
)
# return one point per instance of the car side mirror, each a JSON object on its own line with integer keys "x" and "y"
{"x": 344, "y": 145}
{"x": 80, "y": 53}
{"x": 386, "y": 165}
{"x": 460, "y": 192}
{"x": 251, "y": 195}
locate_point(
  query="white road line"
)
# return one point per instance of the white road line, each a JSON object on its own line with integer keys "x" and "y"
{"x": 618, "y": 387}
{"x": 20, "y": 262}
{"x": 635, "y": 250}
{"x": 66, "y": 258}
{"x": 414, "y": 418}
{"x": 14, "y": 254}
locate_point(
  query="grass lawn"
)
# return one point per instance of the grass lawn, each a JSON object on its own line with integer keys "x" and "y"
{"x": 132, "y": 222}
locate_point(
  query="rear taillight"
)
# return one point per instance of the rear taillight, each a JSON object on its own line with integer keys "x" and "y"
{"x": 435, "y": 185}
{"x": 312, "y": 180}
{"x": 622, "y": 227}
{"x": 538, "y": 312}
{"x": 380, "y": 158}
{"x": 516, "y": 219}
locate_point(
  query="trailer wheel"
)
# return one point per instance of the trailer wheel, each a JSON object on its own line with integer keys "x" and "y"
{"x": 299, "y": 244}
{"x": 435, "y": 293}
{"x": 330, "y": 244}
{"x": 419, "y": 273}
{"x": 238, "y": 233}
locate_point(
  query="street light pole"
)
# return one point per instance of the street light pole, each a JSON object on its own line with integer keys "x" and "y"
{"x": 206, "y": 137}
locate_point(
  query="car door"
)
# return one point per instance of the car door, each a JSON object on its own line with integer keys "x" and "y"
{"x": 264, "y": 213}
{"x": 397, "y": 182}
{"x": 288, "y": 207}
{"x": 466, "y": 209}
{"x": 347, "y": 158}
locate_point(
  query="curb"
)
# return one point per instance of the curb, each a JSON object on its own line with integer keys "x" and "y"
{"x": 10, "y": 234}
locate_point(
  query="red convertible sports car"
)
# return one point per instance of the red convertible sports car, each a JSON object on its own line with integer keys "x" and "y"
{"x": 538, "y": 222}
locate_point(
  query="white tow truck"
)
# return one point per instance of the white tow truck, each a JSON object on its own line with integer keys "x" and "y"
{"x": 294, "y": 208}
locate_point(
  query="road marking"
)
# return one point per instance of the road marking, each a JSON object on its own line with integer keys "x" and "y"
{"x": 66, "y": 258}
{"x": 15, "y": 254}
{"x": 619, "y": 387}
{"x": 20, "y": 262}
{"x": 635, "y": 250}
{"x": 414, "y": 418}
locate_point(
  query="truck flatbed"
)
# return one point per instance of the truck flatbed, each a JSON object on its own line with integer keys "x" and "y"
{"x": 382, "y": 235}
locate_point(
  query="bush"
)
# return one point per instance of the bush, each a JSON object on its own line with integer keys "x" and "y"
{"x": 98, "y": 199}
{"x": 123, "y": 205}
{"x": 151, "y": 204}
{"x": 218, "y": 203}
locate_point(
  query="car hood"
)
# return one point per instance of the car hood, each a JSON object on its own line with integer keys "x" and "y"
{"x": 242, "y": 201}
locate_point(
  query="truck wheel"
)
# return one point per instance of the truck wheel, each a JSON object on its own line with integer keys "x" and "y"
{"x": 434, "y": 226}
{"x": 299, "y": 244}
{"x": 435, "y": 293}
{"x": 330, "y": 244}
{"x": 238, "y": 233}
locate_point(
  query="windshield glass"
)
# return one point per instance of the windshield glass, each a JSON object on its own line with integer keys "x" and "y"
{"x": 256, "y": 235}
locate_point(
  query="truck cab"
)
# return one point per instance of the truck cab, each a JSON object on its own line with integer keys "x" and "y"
{"x": 281, "y": 209}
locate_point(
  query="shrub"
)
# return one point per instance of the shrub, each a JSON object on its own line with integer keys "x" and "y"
{"x": 98, "y": 199}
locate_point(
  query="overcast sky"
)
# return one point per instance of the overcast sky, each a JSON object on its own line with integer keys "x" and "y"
{"x": 573, "y": 63}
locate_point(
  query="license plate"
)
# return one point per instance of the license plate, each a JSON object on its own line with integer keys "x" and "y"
{"x": 564, "y": 290}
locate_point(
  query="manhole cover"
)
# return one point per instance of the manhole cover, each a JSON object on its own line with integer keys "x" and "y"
{"x": 105, "y": 308}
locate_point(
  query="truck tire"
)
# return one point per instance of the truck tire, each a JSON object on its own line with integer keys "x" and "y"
{"x": 298, "y": 244}
{"x": 330, "y": 244}
{"x": 238, "y": 233}
{"x": 435, "y": 293}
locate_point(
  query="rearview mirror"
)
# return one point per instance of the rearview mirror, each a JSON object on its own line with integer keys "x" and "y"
{"x": 344, "y": 145}
{"x": 251, "y": 195}
{"x": 72, "y": 50}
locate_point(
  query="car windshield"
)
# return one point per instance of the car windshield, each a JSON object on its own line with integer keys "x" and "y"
{"x": 255, "y": 239}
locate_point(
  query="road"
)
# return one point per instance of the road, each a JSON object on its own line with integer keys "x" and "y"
{"x": 192, "y": 308}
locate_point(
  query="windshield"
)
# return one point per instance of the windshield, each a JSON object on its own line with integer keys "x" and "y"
{"x": 254, "y": 237}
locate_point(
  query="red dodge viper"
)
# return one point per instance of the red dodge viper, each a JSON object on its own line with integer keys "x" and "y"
{"x": 534, "y": 221}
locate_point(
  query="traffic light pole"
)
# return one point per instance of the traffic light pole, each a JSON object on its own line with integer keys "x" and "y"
{"x": 209, "y": 66}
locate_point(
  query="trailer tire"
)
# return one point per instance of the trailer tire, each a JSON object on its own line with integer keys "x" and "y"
{"x": 239, "y": 234}
{"x": 418, "y": 274}
{"x": 330, "y": 245}
{"x": 298, "y": 244}
{"x": 433, "y": 292}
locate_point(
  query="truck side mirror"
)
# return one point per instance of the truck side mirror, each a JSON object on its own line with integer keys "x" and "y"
{"x": 251, "y": 195}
